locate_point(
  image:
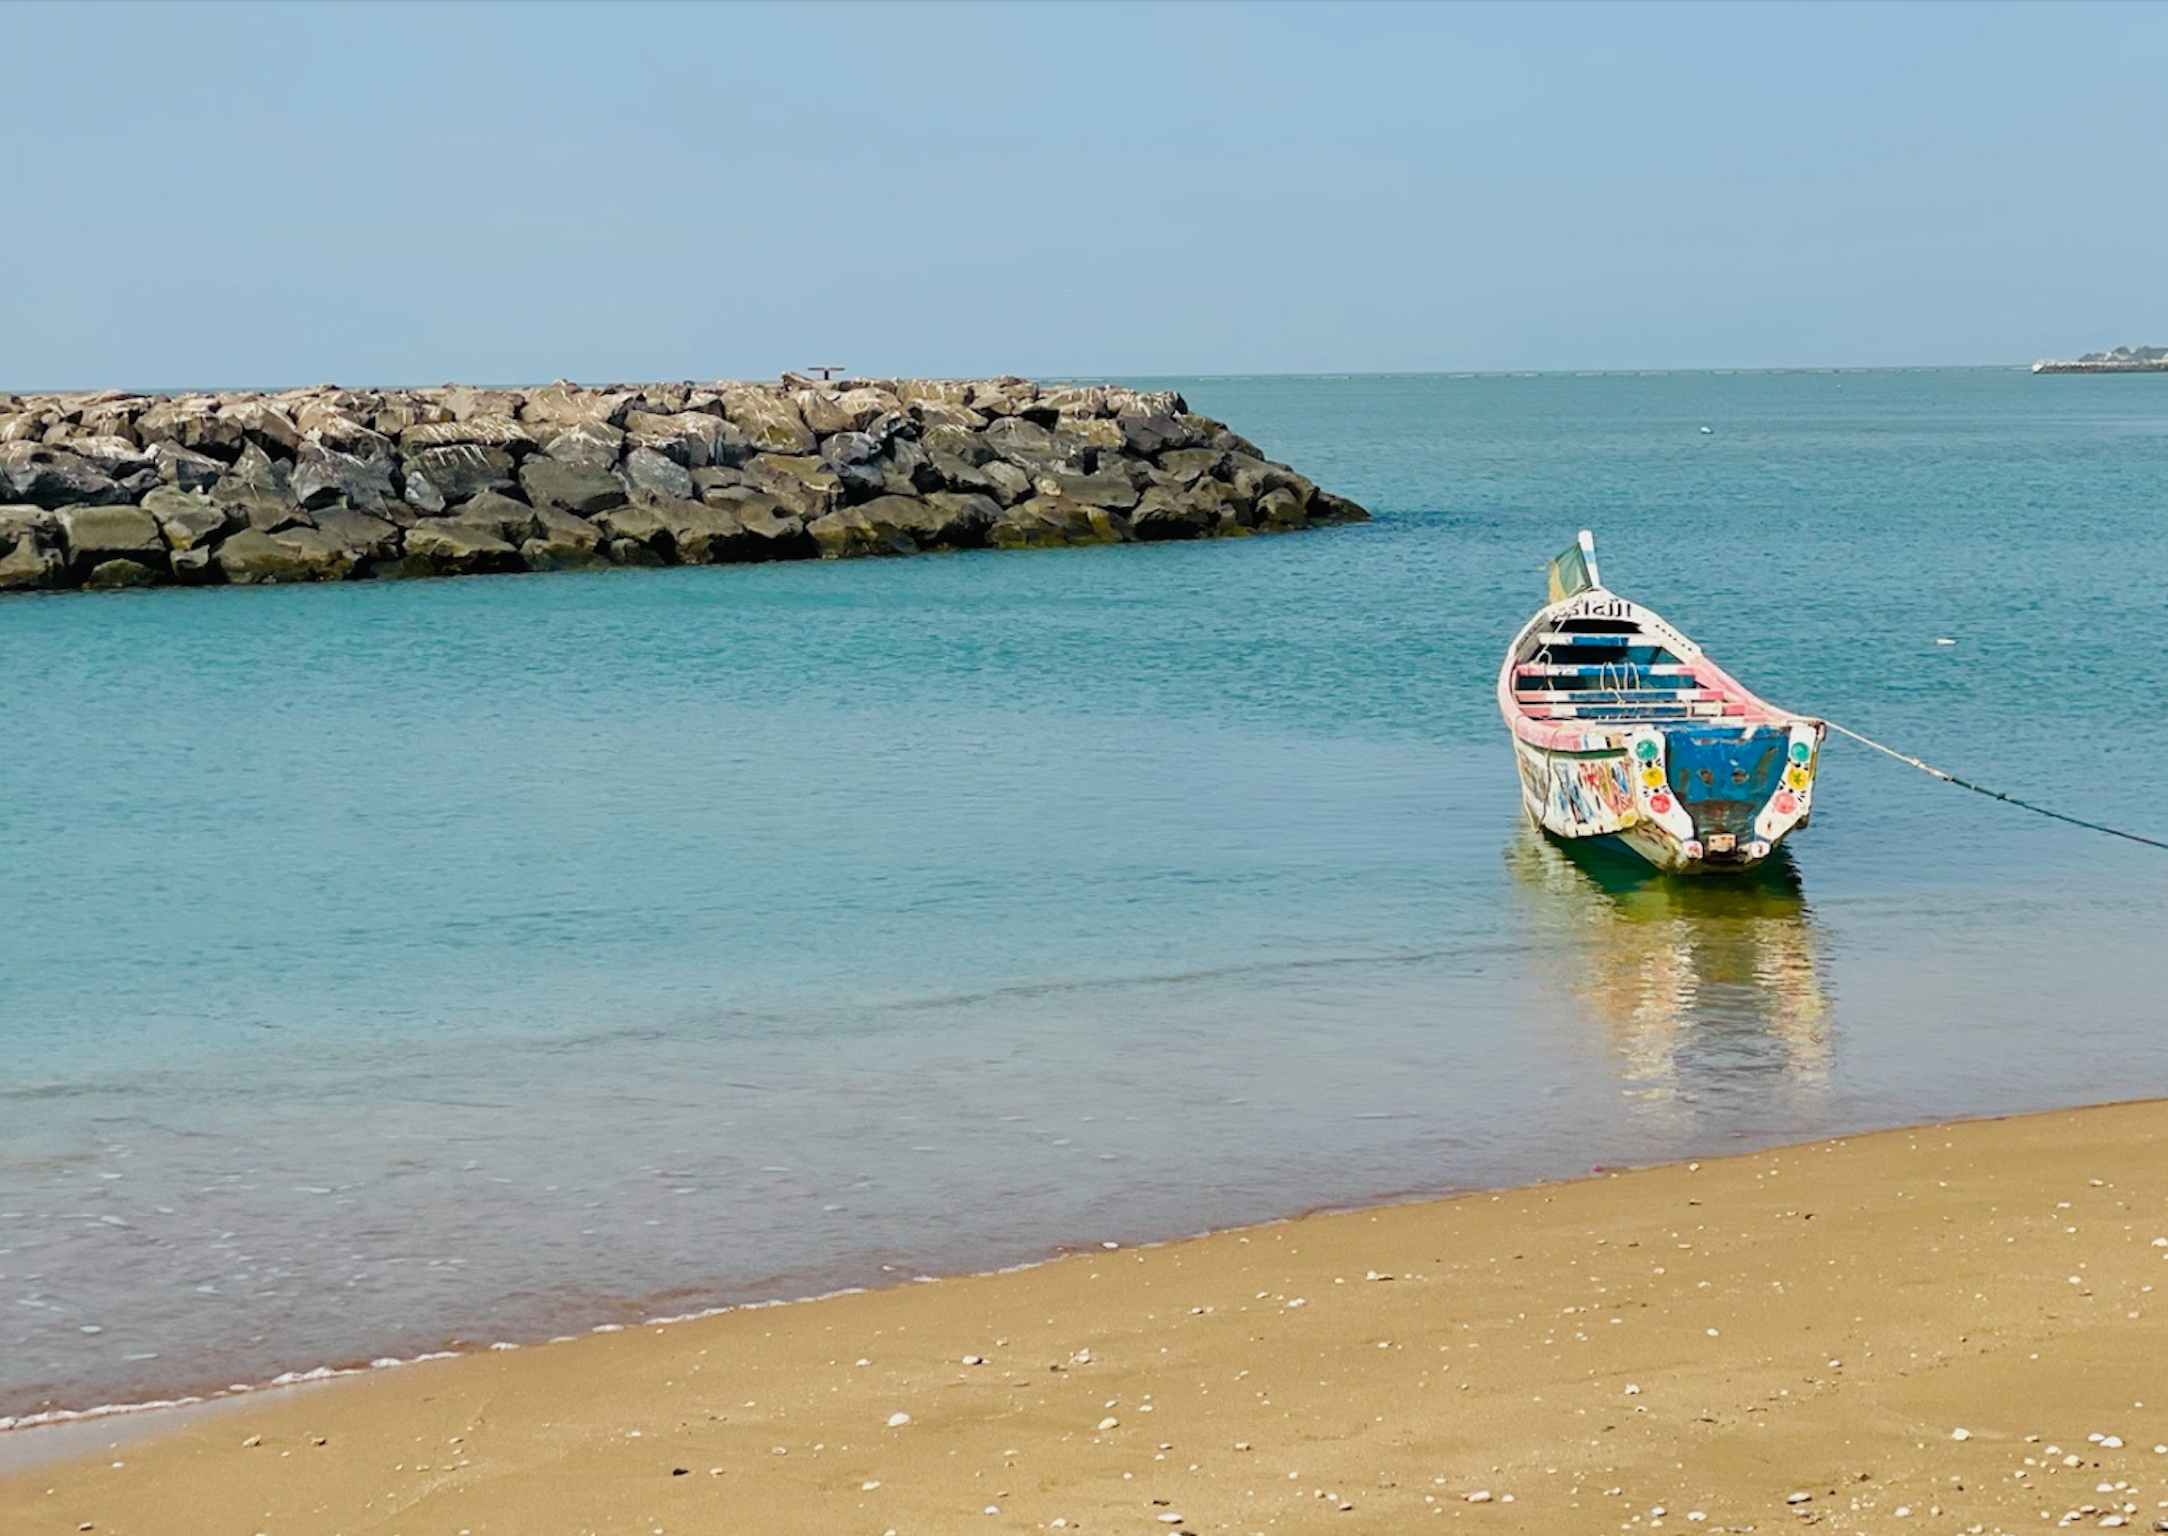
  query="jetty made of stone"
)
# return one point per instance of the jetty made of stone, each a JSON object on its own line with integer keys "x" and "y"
{"x": 113, "y": 490}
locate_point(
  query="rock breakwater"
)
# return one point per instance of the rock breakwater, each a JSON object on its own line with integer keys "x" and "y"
{"x": 112, "y": 490}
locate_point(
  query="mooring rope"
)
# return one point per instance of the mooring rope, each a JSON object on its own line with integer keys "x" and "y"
{"x": 1992, "y": 794}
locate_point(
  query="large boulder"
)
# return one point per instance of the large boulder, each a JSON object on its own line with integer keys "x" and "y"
{"x": 326, "y": 423}
{"x": 118, "y": 457}
{"x": 499, "y": 431}
{"x": 187, "y": 518}
{"x": 54, "y": 477}
{"x": 184, "y": 467}
{"x": 1154, "y": 434}
{"x": 29, "y": 565}
{"x": 513, "y": 520}
{"x": 115, "y": 575}
{"x": 850, "y": 410}
{"x": 763, "y": 530}
{"x": 265, "y": 425}
{"x": 1193, "y": 512}
{"x": 587, "y": 442}
{"x": 458, "y": 546}
{"x": 1046, "y": 522}
{"x": 92, "y": 534}
{"x": 576, "y": 487}
{"x": 771, "y": 423}
{"x": 458, "y": 471}
{"x": 255, "y": 558}
{"x": 562, "y": 542}
{"x": 370, "y": 538}
{"x": 800, "y": 483}
{"x": 1327, "y": 508}
{"x": 322, "y": 476}
{"x": 691, "y": 438}
{"x": 565, "y": 404}
{"x": 638, "y": 524}
{"x": 466, "y": 403}
{"x": 649, "y": 473}
{"x": 1036, "y": 448}
{"x": 848, "y": 533}
{"x": 193, "y": 422}
{"x": 1115, "y": 485}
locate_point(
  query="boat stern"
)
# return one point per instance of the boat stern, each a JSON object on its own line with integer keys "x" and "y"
{"x": 1717, "y": 797}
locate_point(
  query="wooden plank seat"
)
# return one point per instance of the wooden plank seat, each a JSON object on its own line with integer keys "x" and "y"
{"x": 1601, "y": 669}
{"x": 1615, "y": 695}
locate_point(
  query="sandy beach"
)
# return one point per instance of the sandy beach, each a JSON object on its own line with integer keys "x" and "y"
{"x": 1951, "y": 1328}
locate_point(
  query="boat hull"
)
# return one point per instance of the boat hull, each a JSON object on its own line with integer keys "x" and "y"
{"x": 1686, "y": 799}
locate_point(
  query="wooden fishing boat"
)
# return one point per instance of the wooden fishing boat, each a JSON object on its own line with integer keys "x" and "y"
{"x": 1625, "y": 732}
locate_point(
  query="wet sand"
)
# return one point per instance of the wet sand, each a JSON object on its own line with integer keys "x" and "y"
{"x": 1947, "y": 1329}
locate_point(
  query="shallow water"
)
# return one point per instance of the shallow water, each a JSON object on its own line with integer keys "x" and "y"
{"x": 387, "y": 965}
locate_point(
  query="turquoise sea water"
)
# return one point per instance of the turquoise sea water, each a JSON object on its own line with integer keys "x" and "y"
{"x": 385, "y": 965}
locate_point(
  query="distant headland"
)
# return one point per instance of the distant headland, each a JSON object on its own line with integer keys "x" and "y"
{"x": 2117, "y": 360}
{"x": 112, "y": 490}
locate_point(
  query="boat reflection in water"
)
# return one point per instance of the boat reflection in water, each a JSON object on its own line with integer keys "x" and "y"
{"x": 1703, "y": 990}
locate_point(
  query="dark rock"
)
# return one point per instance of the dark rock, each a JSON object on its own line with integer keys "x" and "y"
{"x": 32, "y": 562}
{"x": 1186, "y": 466}
{"x": 370, "y": 538}
{"x": 971, "y": 447}
{"x": 848, "y": 533}
{"x": 255, "y": 558}
{"x": 582, "y": 488}
{"x": 196, "y": 567}
{"x": 1327, "y": 508}
{"x": 1046, "y": 522}
{"x": 458, "y": 471}
{"x": 187, "y": 519}
{"x": 184, "y": 468}
{"x": 632, "y": 552}
{"x": 561, "y": 542}
{"x": 459, "y": 546}
{"x": 513, "y": 520}
{"x": 640, "y": 523}
{"x": 648, "y": 472}
{"x": 323, "y": 475}
{"x": 1192, "y": 513}
{"x": 1114, "y": 485}
{"x": 1252, "y": 477}
{"x": 800, "y": 483}
{"x": 113, "y": 575}
{"x": 115, "y": 456}
{"x": 1156, "y": 434}
{"x": 54, "y": 477}
{"x": 1233, "y": 442}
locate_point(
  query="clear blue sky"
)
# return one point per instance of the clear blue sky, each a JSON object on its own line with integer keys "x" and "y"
{"x": 272, "y": 195}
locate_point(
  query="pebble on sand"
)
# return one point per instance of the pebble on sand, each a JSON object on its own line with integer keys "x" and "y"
{"x": 898, "y": 1420}
{"x": 1960, "y": 1434}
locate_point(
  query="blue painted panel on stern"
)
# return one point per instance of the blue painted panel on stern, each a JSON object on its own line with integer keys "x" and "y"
{"x": 1724, "y": 775}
